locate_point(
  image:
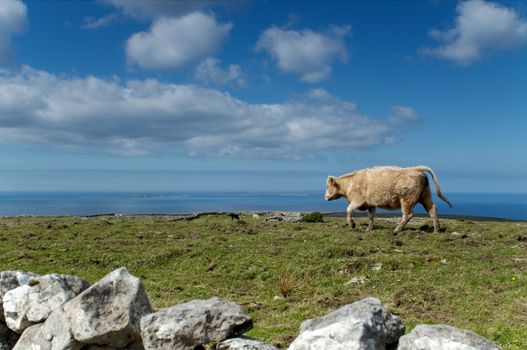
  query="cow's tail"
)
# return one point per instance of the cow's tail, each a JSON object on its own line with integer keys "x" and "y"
{"x": 438, "y": 190}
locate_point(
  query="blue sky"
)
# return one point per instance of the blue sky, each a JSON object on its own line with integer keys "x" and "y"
{"x": 116, "y": 95}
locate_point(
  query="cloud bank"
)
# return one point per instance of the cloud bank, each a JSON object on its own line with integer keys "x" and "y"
{"x": 173, "y": 42}
{"x": 306, "y": 53}
{"x": 138, "y": 117}
{"x": 480, "y": 27}
{"x": 13, "y": 17}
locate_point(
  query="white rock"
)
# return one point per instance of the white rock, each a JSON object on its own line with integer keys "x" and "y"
{"x": 109, "y": 312}
{"x": 345, "y": 335}
{"x": 54, "y": 334}
{"x": 186, "y": 326}
{"x": 364, "y": 324}
{"x": 443, "y": 337}
{"x": 11, "y": 280}
{"x": 33, "y": 302}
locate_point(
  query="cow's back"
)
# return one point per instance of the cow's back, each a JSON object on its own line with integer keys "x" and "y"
{"x": 385, "y": 186}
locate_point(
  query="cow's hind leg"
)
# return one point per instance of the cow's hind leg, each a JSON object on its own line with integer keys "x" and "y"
{"x": 430, "y": 207}
{"x": 371, "y": 215}
{"x": 408, "y": 213}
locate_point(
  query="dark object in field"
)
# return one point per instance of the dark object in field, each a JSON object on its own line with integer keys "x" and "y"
{"x": 313, "y": 217}
{"x": 234, "y": 216}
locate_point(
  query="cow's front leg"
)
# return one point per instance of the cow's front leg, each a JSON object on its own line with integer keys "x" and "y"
{"x": 371, "y": 215}
{"x": 349, "y": 212}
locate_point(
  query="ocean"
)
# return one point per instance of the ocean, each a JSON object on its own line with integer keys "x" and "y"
{"x": 495, "y": 205}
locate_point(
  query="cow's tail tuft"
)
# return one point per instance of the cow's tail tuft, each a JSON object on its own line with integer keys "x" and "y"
{"x": 438, "y": 190}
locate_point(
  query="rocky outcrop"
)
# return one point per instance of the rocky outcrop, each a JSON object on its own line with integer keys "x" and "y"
{"x": 364, "y": 324}
{"x": 443, "y": 337}
{"x": 285, "y": 217}
{"x": 186, "y": 326}
{"x": 33, "y": 302}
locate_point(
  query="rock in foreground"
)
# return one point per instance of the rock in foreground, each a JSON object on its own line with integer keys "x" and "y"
{"x": 364, "y": 324}
{"x": 10, "y": 280}
{"x": 33, "y": 302}
{"x": 443, "y": 337}
{"x": 186, "y": 326}
{"x": 109, "y": 312}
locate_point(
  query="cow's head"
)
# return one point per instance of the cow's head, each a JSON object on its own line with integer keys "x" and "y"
{"x": 332, "y": 189}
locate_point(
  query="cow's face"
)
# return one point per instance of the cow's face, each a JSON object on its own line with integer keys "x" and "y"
{"x": 332, "y": 189}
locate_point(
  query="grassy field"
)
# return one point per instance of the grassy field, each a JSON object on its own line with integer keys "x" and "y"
{"x": 283, "y": 273}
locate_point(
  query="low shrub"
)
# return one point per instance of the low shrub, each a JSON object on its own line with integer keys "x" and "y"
{"x": 313, "y": 217}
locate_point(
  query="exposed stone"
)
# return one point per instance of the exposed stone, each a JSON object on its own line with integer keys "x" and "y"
{"x": 33, "y": 302}
{"x": 109, "y": 312}
{"x": 343, "y": 335}
{"x": 285, "y": 217}
{"x": 364, "y": 324}
{"x": 244, "y": 343}
{"x": 11, "y": 280}
{"x": 8, "y": 338}
{"x": 185, "y": 326}
{"x": 444, "y": 337}
{"x": 54, "y": 334}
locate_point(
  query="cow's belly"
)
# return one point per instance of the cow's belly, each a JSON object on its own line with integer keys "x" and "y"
{"x": 385, "y": 202}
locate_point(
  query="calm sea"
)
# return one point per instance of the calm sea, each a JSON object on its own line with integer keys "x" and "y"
{"x": 497, "y": 205}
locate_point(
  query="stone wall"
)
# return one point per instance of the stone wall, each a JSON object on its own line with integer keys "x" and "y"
{"x": 63, "y": 312}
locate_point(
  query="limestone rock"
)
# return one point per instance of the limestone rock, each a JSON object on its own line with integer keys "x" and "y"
{"x": 54, "y": 334}
{"x": 185, "y": 326}
{"x": 443, "y": 337}
{"x": 8, "y": 338}
{"x": 109, "y": 312}
{"x": 33, "y": 302}
{"x": 11, "y": 280}
{"x": 350, "y": 334}
{"x": 244, "y": 343}
{"x": 364, "y": 324}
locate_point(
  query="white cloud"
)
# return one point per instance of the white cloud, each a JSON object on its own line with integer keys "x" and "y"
{"x": 307, "y": 53}
{"x": 173, "y": 42}
{"x": 137, "y": 117}
{"x": 148, "y": 9}
{"x": 96, "y": 23}
{"x": 480, "y": 27}
{"x": 209, "y": 71}
{"x": 13, "y": 17}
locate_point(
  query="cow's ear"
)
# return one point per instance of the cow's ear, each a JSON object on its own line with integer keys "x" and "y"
{"x": 331, "y": 180}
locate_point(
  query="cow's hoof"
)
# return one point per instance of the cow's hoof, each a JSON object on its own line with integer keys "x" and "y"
{"x": 369, "y": 228}
{"x": 395, "y": 232}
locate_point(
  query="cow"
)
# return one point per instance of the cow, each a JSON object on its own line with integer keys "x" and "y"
{"x": 234, "y": 216}
{"x": 386, "y": 187}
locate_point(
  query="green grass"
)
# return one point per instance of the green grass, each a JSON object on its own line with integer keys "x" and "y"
{"x": 476, "y": 280}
